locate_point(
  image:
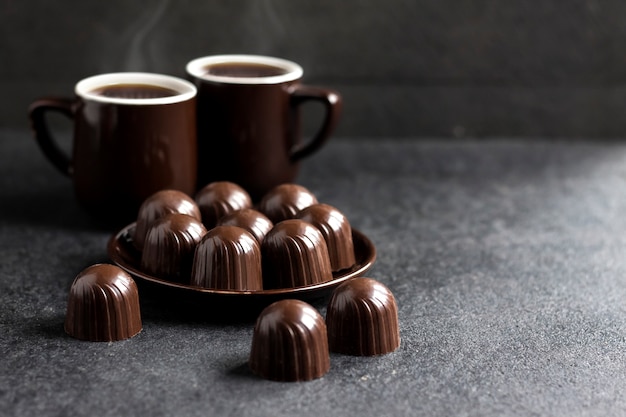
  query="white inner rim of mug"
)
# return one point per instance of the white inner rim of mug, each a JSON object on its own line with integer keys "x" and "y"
{"x": 185, "y": 90}
{"x": 197, "y": 68}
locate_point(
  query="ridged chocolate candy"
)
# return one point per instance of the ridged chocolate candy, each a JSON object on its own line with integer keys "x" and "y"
{"x": 289, "y": 343}
{"x": 336, "y": 231}
{"x": 158, "y": 205}
{"x": 169, "y": 247}
{"x": 252, "y": 220}
{"x": 229, "y": 258}
{"x": 295, "y": 254}
{"x": 285, "y": 201}
{"x": 103, "y": 305}
{"x": 362, "y": 318}
{"x": 220, "y": 198}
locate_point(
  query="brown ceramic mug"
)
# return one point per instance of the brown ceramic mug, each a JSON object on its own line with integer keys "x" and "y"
{"x": 134, "y": 134}
{"x": 249, "y": 120}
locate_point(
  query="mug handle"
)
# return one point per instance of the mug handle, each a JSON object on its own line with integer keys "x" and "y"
{"x": 36, "y": 113}
{"x": 331, "y": 100}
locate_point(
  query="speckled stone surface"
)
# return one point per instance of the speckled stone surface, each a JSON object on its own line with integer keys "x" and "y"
{"x": 506, "y": 258}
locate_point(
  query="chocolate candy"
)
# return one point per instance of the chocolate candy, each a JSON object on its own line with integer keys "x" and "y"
{"x": 336, "y": 231}
{"x": 362, "y": 319}
{"x": 220, "y": 198}
{"x": 294, "y": 254}
{"x": 169, "y": 247}
{"x": 252, "y": 220}
{"x": 158, "y": 205}
{"x": 289, "y": 343}
{"x": 229, "y": 258}
{"x": 285, "y": 201}
{"x": 103, "y": 305}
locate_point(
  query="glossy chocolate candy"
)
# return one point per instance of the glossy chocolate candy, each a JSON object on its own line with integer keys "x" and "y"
{"x": 362, "y": 318}
{"x": 228, "y": 258}
{"x": 220, "y": 198}
{"x": 252, "y": 220}
{"x": 337, "y": 233}
{"x": 170, "y": 245}
{"x": 289, "y": 343}
{"x": 294, "y": 254}
{"x": 103, "y": 305}
{"x": 285, "y": 201}
{"x": 158, "y": 205}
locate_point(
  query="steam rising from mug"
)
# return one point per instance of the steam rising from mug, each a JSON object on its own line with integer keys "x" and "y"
{"x": 137, "y": 46}
{"x": 135, "y": 55}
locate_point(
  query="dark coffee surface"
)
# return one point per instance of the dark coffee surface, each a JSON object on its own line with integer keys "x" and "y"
{"x": 506, "y": 259}
{"x": 243, "y": 70}
{"x": 134, "y": 91}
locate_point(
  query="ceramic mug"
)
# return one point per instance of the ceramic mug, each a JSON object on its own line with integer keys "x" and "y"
{"x": 249, "y": 119}
{"x": 134, "y": 134}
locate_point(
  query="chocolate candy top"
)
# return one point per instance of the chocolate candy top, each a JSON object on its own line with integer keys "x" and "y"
{"x": 220, "y": 198}
{"x": 285, "y": 201}
{"x": 158, "y": 205}
{"x": 252, "y": 220}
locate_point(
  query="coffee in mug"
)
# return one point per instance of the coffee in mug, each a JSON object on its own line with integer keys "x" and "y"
{"x": 134, "y": 91}
{"x": 243, "y": 70}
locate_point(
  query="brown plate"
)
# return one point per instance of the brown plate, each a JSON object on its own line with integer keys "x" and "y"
{"x": 123, "y": 253}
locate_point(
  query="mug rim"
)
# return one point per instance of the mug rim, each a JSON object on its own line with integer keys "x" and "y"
{"x": 196, "y": 67}
{"x": 185, "y": 89}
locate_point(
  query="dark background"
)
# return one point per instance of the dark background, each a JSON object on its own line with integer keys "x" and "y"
{"x": 406, "y": 68}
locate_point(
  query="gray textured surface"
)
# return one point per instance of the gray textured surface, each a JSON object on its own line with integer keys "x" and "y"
{"x": 405, "y": 67}
{"x": 506, "y": 257}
